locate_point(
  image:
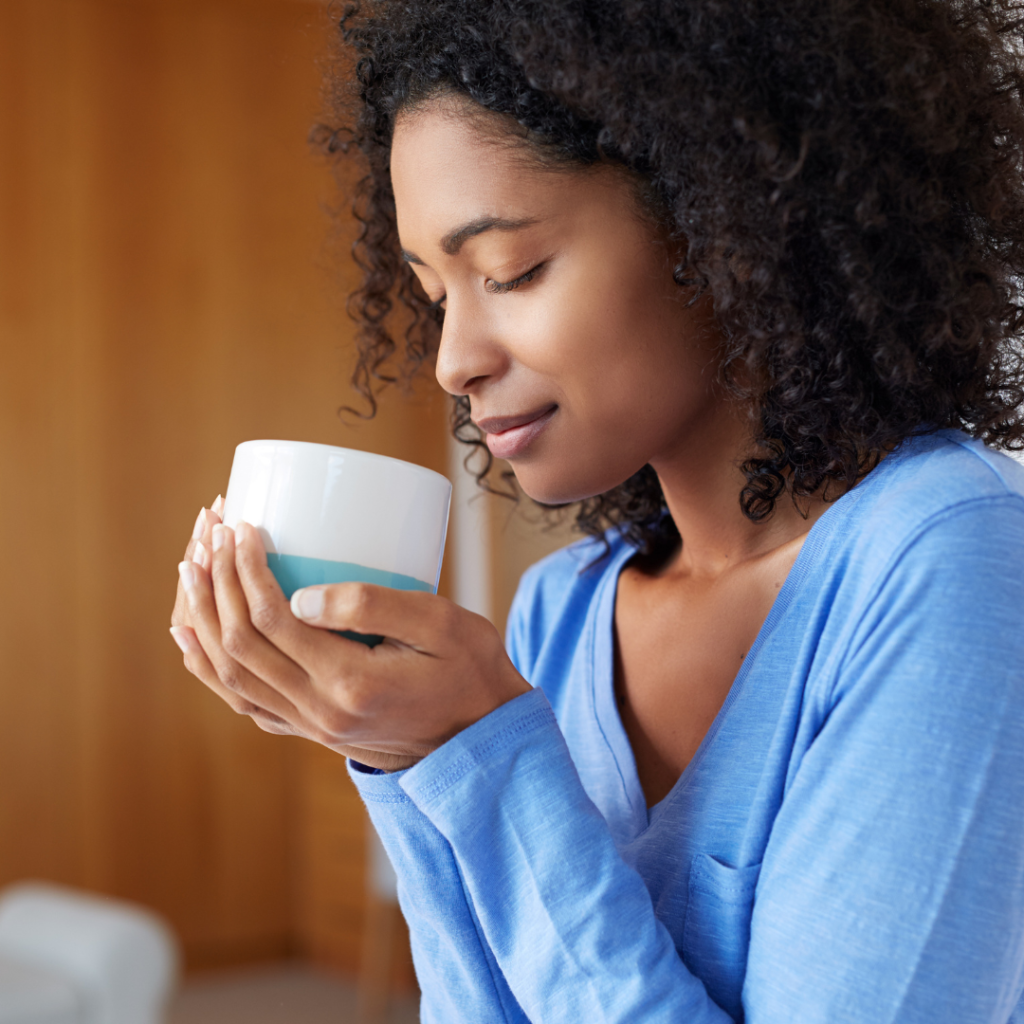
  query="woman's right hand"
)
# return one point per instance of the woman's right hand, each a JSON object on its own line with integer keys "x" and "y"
{"x": 262, "y": 706}
{"x": 198, "y": 550}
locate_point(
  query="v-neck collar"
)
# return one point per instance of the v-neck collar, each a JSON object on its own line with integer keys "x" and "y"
{"x": 603, "y": 681}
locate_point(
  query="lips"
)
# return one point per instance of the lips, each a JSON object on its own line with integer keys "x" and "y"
{"x": 509, "y": 436}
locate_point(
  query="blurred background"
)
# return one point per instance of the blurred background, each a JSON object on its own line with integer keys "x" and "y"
{"x": 172, "y": 283}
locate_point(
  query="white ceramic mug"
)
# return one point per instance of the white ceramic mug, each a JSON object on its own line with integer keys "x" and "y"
{"x": 335, "y": 515}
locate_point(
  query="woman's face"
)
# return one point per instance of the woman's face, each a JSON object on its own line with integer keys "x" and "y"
{"x": 562, "y": 321}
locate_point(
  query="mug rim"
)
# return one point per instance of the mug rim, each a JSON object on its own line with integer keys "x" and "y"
{"x": 358, "y": 452}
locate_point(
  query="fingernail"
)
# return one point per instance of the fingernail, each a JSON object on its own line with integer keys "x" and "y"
{"x": 308, "y": 603}
{"x": 197, "y": 532}
{"x": 199, "y": 555}
{"x": 218, "y": 506}
{"x": 218, "y": 537}
{"x": 187, "y": 574}
{"x": 179, "y": 638}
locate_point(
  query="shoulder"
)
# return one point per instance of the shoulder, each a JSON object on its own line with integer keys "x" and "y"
{"x": 942, "y": 485}
{"x": 556, "y": 593}
{"x": 926, "y": 563}
{"x": 947, "y": 468}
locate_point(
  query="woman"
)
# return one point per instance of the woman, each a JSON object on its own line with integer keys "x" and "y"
{"x": 742, "y": 279}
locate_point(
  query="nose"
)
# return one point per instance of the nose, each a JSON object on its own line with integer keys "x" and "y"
{"x": 468, "y": 354}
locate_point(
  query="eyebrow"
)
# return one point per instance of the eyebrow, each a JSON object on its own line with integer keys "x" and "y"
{"x": 454, "y": 240}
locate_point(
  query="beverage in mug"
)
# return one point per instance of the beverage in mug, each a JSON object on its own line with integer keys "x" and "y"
{"x": 338, "y": 515}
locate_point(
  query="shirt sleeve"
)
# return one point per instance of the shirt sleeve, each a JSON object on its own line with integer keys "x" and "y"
{"x": 892, "y": 890}
{"x": 459, "y": 978}
{"x": 458, "y": 975}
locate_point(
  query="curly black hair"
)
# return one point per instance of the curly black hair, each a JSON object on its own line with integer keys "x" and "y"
{"x": 844, "y": 175}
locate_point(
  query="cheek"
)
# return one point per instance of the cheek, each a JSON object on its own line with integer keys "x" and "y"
{"x": 631, "y": 376}
{"x": 583, "y": 322}
{"x": 618, "y": 354}
{"x": 625, "y": 360}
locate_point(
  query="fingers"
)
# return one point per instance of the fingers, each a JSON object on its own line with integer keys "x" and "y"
{"x": 413, "y": 618}
{"x": 202, "y": 668}
{"x": 216, "y": 667}
{"x": 194, "y": 551}
{"x": 197, "y": 550}
{"x": 336, "y": 669}
{"x": 271, "y": 613}
{"x": 259, "y": 631}
{"x": 204, "y": 524}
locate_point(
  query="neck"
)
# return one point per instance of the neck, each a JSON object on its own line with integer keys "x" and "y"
{"x": 702, "y": 480}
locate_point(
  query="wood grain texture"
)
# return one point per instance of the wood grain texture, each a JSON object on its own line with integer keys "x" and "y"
{"x": 165, "y": 293}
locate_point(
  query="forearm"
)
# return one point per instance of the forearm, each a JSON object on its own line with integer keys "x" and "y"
{"x": 457, "y": 971}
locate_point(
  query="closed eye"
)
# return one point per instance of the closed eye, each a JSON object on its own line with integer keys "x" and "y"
{"x": 497, "y": 287}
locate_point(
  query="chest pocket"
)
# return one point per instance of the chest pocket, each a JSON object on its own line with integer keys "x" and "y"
{"x": 716, "y": 935}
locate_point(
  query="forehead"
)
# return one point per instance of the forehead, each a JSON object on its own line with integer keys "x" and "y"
{"x": 449, "y": 165}
{"x": 445, "y": 162}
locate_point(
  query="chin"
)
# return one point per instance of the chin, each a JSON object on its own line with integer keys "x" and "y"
{"x": 562, "y": 486}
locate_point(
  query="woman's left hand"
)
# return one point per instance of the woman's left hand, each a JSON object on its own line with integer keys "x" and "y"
{"x": 440, "y": 669}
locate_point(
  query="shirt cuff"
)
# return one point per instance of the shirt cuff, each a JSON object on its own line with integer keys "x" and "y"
{"x": 504, "y": 728}
{"x": 475, "y": 745}
{"x": 376, "y": 786}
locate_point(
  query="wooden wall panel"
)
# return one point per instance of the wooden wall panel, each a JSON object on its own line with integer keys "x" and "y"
{"x": 39, "y": 753}
{"x": 164, "y": 294}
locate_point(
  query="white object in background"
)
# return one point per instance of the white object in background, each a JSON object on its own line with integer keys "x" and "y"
{"x": 381, "y": 877}
{"x": 31, "y": 995}
{"x": 119, "y": 960}
{"x": 471, "y": 536}
{"x": 380, "y": 931}
{"x": 341, "y": 505}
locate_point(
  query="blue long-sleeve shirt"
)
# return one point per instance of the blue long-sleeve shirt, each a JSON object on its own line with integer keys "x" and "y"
{"x": 847, "y": 844}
